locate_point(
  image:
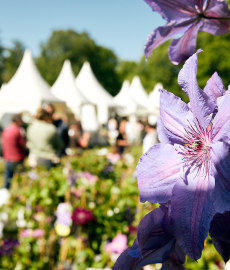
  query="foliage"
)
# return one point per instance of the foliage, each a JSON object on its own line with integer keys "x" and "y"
{"x": 113, "y": 200}
{"x": 38, "y": 193}
{"x": 78, "y": 48}
{"x": 215, "y": 58}
{"x": 12, "y": 59}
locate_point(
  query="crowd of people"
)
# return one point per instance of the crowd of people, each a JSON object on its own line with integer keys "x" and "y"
{"x": 44, "y": 141}
{"x": 50, "y": 136}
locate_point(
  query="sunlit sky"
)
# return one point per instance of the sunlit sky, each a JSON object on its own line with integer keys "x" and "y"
{"x": 121, "y": 25}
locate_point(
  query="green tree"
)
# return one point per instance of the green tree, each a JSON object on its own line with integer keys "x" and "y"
{"x": 13, "y": 59}
{"x": 157, "y": 68}
{"x": 216, "y": 57}
{"x": 78, "y": 48}
{"x": 1, "y": 64}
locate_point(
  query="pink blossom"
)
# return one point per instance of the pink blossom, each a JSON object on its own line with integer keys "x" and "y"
{"x": 38, "y": 233}
{"x": 26, "y": 233}
{"x": 118, "y": 244}
{"x": 113, "y": 158}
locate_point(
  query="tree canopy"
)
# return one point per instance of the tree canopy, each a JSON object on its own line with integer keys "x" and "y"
{"x": 78, "y": 48}
{"x": 111, "y": 71}
{"x": 13, "y": 57}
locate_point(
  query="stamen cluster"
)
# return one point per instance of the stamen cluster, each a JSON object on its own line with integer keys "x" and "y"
{"x": 196, "y": 146}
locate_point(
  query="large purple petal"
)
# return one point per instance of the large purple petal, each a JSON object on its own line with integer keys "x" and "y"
{"x": 221, "y": 172}
{"x": 174, "y": 116}
{"x": 215, "y": 88}
{"x": 176, "y": 261}
{"x": 156, "y": 256}
{"x": 222, "y": 247}
{"x": 200, "y": 103}
{"x": 192, "y": 211}
{"x": 182, "y": 48}
{"x": 163, "y": 33}
{"x": 126, "y": 262}
{"x": 157, "y": 172}
{"x": 220, "y": 234}
{"x": 218, "y": 9}
{"x": 148, "y": 224}
{"x": 221, "y": 122}
{"x": 220, "y": 226}
{"x": 172, "y": 9}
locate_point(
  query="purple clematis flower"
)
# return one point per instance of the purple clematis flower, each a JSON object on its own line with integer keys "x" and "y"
{"x": 191, "y": 165}
{"x": 220, "y": 234}
{"x": 155, "y": 243}
{"x": 187, "y": 17}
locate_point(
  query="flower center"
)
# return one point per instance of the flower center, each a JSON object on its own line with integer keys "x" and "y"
{"x": 196, "y": 146}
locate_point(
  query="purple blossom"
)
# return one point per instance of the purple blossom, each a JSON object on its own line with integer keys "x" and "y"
{"x": 220, "y": 234}
{"x": 191, "y": 165}
{"x": 186, "y": 17}
{"x": 155, "y": 243}
{"x": 8, "y": 246}
{"x": 32, "y": 175}
{"x": 63, "y": 213}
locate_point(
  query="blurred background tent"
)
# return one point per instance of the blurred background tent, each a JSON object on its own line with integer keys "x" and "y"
{"x": 66, "y": 90}
{"x": 124, "y": 99}
{"x": 95, "y": 93}
{"x": 140, "y": 96}
{"x": 27, "y": 90}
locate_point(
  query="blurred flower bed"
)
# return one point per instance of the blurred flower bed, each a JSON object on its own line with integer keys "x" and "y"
{"x": 80, "y": 215}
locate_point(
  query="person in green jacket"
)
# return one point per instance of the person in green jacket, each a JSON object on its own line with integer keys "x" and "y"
{"x": 43, "y": 141}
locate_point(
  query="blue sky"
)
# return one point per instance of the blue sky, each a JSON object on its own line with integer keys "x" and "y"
{"x": 121, "y": 25}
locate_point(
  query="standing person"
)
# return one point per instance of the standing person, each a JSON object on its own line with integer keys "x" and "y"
{"x": 122, "y": 141}
{"x": 43, "y": 141}
{"x": 14, "y": 147}
{"x": 150, "y": 138}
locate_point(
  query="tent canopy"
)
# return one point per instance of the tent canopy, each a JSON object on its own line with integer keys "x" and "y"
{"x": 91, "y": 88}
{"x": 66, "y": 90}
{"x": 26, "y": 90}
{"x": 139, "y": 95}
{"x": 154, "y": 96}
{"x": 125, "y": 101}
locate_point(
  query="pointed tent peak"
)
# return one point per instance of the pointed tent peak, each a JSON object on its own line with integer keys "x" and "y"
{"x": 124, "y": 88}
{"x": 125, "y": 84}
{"x": 154, "y": 96}
{"x": 27, "y": 83}
{"x": 65, "y": 88}
{"x": 91, "y": 88}
{"x": 67, "y": 65}
{"x": 157, "y": 87}
{"x": 27, "y": 53}
{"x": 138, "y": 93}
{"x": 66, "y": 71}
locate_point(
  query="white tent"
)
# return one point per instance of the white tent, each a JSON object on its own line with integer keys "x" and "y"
{"x": 123, "y": 99}
{"x": 139, "y": 95}
{"x": 66, "y": 90}
{"x": 94, "y": 92}
{"x": 26, "y": 90}
{"x": 154, "y": 96}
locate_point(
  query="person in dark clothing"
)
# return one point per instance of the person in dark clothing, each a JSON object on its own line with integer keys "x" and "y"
{"x": 122, "y": 142}
{"x": 14, "y": 146}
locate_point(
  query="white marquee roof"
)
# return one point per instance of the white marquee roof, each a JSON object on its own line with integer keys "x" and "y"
{"x": 66, "y": 90}
{"x": 26, "y": 90}
{"x": 154, "y": 96}
{"x": 139, "y": 94}
{"x": 90, "y": 87}
{"x": 123, "y": 99}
